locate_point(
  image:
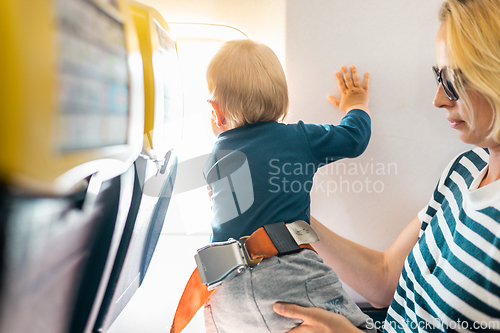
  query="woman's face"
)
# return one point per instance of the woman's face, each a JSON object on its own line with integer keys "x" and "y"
{"x": 456, "y": 111}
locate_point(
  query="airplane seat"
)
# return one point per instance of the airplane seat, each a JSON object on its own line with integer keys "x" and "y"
{"x": 3, "y": 223}
{"x": 155, "y": 167}
{"x": 72, "y": 263}
{"x": 140, "y": 238}
{"x": 377, "y": 315}
{"x": 123, "y": 247}
{"x": 45, "y": 252}
{"x": 158, "y": 218}
{"x": 103, "y": 250}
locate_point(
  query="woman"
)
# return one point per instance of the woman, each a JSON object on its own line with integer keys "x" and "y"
{"x": 443, "y": 271}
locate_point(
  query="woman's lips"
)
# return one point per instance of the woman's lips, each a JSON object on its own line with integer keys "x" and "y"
{"x": 454, "y": 123}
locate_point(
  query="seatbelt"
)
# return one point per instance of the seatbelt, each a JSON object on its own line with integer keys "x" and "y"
{"x": 268, "y": 241}
{"x": 194, "y": 296}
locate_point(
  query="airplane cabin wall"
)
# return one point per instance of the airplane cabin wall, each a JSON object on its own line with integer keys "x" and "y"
{"x": 380, "y": 192}
{"x": 370, "y": 199}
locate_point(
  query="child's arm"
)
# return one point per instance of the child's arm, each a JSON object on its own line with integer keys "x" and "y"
{"x": 351, "y": 136}
{"x": 353, "y": 93}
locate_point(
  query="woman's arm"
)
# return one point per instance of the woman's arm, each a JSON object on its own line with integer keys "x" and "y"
{"x": 373, "y": 274}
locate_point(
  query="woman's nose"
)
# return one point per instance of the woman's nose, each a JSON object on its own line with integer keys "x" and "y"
{"x": 440, "y": 99}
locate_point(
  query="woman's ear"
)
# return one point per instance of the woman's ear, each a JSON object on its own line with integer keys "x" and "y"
{"x": 220, "y": 119}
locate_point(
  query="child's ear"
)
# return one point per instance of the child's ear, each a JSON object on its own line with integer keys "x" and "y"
{"x": 219, "y": 114}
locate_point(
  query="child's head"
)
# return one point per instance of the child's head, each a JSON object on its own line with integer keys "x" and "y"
{"x": 247, "y": 82}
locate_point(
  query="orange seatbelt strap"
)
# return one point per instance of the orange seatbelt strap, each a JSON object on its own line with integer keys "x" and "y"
{"x": 195, "y": 294}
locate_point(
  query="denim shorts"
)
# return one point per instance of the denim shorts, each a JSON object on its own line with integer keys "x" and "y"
{"x": 245, "y": 303}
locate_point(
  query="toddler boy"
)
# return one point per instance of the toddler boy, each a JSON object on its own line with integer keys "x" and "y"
{"x": 260, "y": 173}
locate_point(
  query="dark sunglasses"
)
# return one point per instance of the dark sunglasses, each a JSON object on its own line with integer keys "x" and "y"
{"x": 446, "y": 77}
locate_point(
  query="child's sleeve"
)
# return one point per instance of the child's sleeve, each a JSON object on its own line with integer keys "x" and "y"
{"x": 349, "y": 138}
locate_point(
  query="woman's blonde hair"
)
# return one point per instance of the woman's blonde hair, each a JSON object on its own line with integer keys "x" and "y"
{"x": 473, "y": 47}
{"x": 248, "y": 83}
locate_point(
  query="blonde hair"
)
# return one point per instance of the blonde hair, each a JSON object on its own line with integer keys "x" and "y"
{"x": 248, "y": 83}
{"x": 473, "y": 47}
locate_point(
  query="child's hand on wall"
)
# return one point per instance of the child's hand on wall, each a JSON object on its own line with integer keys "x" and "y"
{"x": 353, "y": 93}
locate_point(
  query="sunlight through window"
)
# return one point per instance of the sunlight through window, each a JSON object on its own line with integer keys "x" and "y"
{"x": 196, "y": 44}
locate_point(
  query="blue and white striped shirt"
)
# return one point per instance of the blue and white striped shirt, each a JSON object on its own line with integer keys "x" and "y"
{"x": 451, "y": 279}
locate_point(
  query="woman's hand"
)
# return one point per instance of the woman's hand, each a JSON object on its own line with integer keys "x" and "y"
{"x": 315, "y": 320}
{"x": 353, "y": 93}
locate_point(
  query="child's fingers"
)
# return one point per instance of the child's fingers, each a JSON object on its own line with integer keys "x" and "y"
{"x": 355, "y": 77}
{"x": 347, "y": 77}
{"x": 340, "y": 82}
{"x": 365, "y": 81}
{"x": 335, "y": 101}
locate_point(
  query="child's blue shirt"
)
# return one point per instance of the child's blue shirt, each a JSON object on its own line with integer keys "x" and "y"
{"x": 262, "y": 173}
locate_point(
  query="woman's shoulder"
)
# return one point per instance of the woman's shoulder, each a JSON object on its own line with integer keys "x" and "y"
{"x": 472, "y": 160}
{"x": 467, "y": 164}
{"x": 477, "y": 156}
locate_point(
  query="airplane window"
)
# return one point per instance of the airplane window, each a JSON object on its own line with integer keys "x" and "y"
{"x": 196, "y": 45}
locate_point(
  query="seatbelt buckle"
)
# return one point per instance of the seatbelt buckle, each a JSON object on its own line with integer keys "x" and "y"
{"x": 220, "y": 261}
